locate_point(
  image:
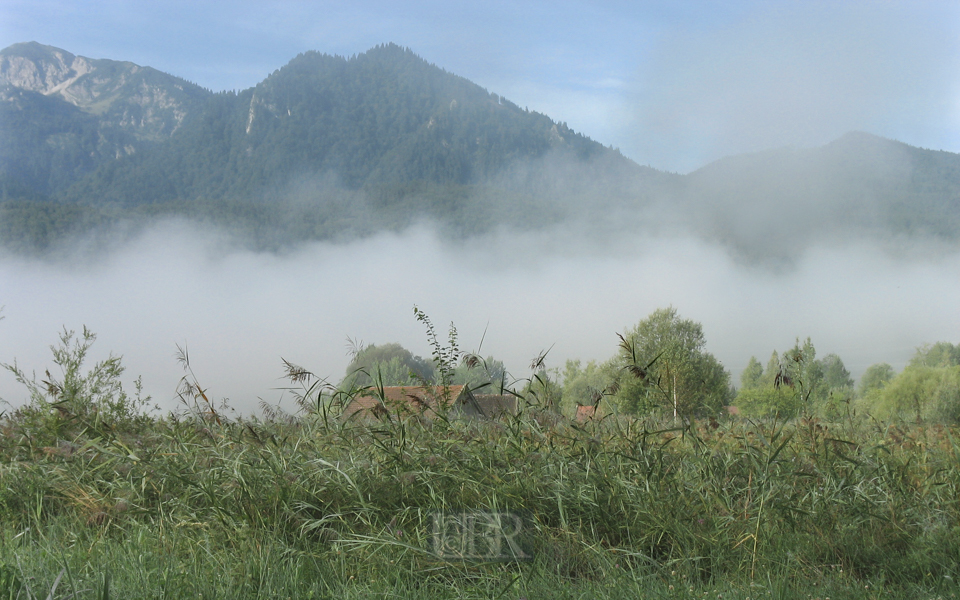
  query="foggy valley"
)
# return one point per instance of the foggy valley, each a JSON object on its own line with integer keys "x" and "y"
{"x": 238, "y": 312}
{"x": 327, "y": 200}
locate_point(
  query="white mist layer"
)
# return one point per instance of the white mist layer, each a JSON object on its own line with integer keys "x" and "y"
{"x": 239, "y": 312}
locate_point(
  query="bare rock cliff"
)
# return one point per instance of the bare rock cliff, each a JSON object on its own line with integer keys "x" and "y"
{"x": 139, "y": 100}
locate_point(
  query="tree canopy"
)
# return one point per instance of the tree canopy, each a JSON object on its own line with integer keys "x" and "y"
{"x": 663, "y": 366}
{"x": 794, "y": 383}
{"x": 387, "y": 365}
{"x": 928, "y": 389}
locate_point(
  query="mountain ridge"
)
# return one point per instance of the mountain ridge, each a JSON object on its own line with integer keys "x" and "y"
{"x": 139, "y": 99}
{"x": 329, "y": 146}
{"x": 347, "y": 146}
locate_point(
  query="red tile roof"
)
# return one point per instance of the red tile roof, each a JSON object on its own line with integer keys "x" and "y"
{"x": 585, "y": 413}
{"x": 405, "y": 399}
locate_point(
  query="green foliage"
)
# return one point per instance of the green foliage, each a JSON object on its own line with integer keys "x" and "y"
{"x": 388, "y": 365}
{"x": 393, "y": 365}
{"x": 11, "y": 585}
{"x": 586, "y": 385}
{"x": 763, "y": 392}
{"x": 487, "y": 376}
{"x": 909, "y": 395}
{"x": 286, "y": 507}
{"x": 750, "y": 377}
{"x": 768, "y": 402}
{"x": 946, "y": 399}
{"x": 872, "y": 383}
{"x": 773, "y": 375}
{"x": 456, "y": 367}
{"x": 802, "y": 372}
{"x": 543, "y": 390}
{"x": 875, "y": 378}
{"x": 796, "y": 384}
{"x": 625, "y": 507}
{"x": 835, "y": 374}
{"x": 919, "y": 394}
{"x": 79, "y": 400}
{"x": 445, "y": 358}
{"x": 941, "y": 354}
{"x": 835, "y": 391}
{"x": 671, "y": 371}
{"x": 927, "y": 390}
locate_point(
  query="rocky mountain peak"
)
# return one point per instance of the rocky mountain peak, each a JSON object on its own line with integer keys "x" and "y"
{"x": 38, "y": 68}
{"x": 140, "y": 100}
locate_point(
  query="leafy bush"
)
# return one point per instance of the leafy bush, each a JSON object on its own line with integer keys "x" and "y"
{"x": 79, "y": 400}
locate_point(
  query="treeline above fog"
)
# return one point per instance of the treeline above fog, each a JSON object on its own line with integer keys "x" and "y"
{"x": 330, "y": 147}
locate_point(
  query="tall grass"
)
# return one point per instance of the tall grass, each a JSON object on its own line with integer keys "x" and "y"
{"x": 199, "y": 505}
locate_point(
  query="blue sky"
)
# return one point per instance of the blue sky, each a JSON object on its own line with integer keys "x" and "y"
{"x": 672, "y": 84}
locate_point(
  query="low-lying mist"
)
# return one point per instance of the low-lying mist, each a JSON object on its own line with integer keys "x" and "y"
{"x": 238, "y": 312}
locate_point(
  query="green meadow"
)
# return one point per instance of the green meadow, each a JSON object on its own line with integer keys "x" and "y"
{"x": 101, "y": 497}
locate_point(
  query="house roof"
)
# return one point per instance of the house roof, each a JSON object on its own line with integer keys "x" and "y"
{"x": 413, "y": 399}
{"x": 494, "y": 406}
{"x": 585, "y": 413}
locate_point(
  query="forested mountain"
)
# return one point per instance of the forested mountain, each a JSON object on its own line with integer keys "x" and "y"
{"x": 335, "y": 147}
{"x": 383, "y": 117}
{"x": 324, "y": 146}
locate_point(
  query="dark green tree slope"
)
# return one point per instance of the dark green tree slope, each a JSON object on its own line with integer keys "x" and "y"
{"x": 382, "y": 119}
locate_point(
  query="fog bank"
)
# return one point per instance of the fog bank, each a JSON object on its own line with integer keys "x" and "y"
{"x": 239, "y": 312}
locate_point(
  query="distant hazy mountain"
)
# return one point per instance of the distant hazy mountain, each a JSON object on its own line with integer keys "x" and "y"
{"x": 775, "y": 203}
{"x": 333, "y": 147}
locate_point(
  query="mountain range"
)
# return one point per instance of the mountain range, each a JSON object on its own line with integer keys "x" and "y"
{"x": 332, "y": 147}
